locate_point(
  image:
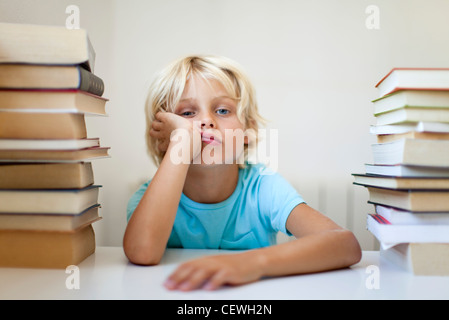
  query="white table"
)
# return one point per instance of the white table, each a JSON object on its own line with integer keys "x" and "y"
{"x": 108, "y": 275}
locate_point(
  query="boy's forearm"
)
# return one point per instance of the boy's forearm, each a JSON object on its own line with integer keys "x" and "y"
{"x": 150, "y": 226}
{"x": 317, "y": 252}
{"x": 314, "y": 253}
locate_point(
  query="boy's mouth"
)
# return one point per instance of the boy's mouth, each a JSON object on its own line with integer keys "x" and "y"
{"x": 209, "y": 138}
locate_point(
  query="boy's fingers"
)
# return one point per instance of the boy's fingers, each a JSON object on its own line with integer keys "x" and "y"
{"x": 157, "y": 125}
{"x": 156, "y": 134}
{"x": 160, "y": 115}
{"x": 216, "y": 281}
{"x": 195, "y": 280}
{"x": 178, "y": 276}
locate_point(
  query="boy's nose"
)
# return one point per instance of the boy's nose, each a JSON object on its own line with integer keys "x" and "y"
{"x": 207, "y": 123}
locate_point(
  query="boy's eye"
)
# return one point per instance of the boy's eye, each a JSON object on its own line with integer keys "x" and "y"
{"x": 222, "y": 111}
{"x": 187, "y": 113}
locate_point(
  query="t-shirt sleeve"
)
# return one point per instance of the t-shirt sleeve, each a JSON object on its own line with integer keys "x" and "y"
{"x": 277, "y": 199}
{"x": 135, "y": 199}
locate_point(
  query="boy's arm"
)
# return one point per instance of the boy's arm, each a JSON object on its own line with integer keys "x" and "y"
{"x": 150, "y": 226}
{"x": 320, "y": 245}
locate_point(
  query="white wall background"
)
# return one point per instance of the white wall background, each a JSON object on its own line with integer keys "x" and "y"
{"x": 314, "y": 65}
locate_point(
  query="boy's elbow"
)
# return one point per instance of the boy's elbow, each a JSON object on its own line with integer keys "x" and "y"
{"x": 141, "y": 255}
{"x": 142, "y": 259}
{"x": 353, "y": 251}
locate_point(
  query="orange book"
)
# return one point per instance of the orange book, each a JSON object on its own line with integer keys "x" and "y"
{"x": 53, "y": 155}
{"x": 35, "y": 125}
{"x": 45, "y": 249}
{"x": 75, "y": 101}
{"x": 46, "y": 175}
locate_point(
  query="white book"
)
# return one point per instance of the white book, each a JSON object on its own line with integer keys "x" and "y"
{"x": 414, "y": 78}
{"x": 48, "y": 144}
{"x": 404, "y": 217}
{"x": 40, "y": 44}
{"x": 412, "y": 98}
{"x": 436, "y": 127}
{"x": 390, "y": 234}
{"x": 405, "y": 115}
{"x": 390, "y": 182}
{"x": 412, "y": 152}
{"x": 406, "y": 171}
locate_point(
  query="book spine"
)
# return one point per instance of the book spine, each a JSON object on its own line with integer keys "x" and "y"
{"x": 89, "y": 82}
{"x": 380, "y": 219}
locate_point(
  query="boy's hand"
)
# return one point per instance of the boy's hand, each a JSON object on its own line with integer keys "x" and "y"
{"x": 166, "y": 123}
{"x": 213, "y": 272}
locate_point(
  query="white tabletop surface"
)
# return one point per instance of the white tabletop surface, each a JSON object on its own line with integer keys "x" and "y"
{"x": 107, "y": 274}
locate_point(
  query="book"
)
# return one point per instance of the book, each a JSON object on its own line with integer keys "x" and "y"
{"x": 65, "y": 156}
{"x": 53, "y": 101}
{"x": 406, "y": 183}
{"x": 413, "y": 78}
{"x": 45, "y": 249}
{"x": 49, "y": 222}
{"x": 412, "y": 135}
{"x": 39, "y": 44}
{"x": 32, "y": 125}
{"x": 58, "y": 201}
{"x": 411, "y": 200}
{"x": 400, "y": 170}
{"x": 388, "y": 233}
{"x": 408, "y": 114}
{"x": 412, "y": 152}
{"x": 411, "y": 98}
{"x": 48, "y": 144}
{"x": 421, "y": 259}
{"x": 26, "y": 76}
{"x": 46, "y": 175}
{"x": 420, "y": 126}
{"x": 48, "y": 200}
{"x": 398, "y": 216}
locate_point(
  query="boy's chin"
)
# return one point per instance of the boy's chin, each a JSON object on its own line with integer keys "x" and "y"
{"x": 213, "y": 163}
{"x": 211, "y": 159}
{"x": 209, "y": 165}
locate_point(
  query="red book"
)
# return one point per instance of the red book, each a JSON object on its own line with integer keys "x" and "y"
{"x": 379, "y": 219}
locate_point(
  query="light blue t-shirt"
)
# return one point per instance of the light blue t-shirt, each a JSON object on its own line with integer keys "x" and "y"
{"x": 250, "y": 218}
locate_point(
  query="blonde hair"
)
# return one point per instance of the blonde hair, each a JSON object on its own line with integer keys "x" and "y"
{"x": 168, "y": 86}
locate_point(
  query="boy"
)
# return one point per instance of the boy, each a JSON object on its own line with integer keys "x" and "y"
{"x": 202, "y": 196}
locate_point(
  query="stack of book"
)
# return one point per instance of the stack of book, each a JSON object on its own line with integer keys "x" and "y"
{"x": 408, "y": 182}
{"x": 48, "y": 200}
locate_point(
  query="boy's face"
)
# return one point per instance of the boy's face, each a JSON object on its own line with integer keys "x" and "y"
{"x": 208, "y": 105}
